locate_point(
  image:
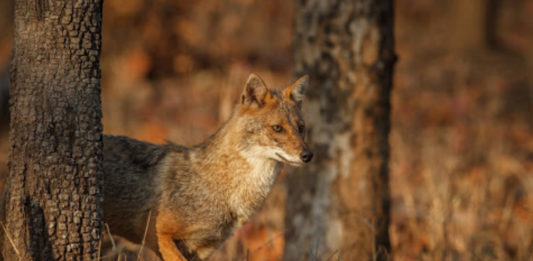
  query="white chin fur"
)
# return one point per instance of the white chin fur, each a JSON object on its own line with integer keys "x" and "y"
{"x": 276, "y": 154}
{"x": 288, "y": 159}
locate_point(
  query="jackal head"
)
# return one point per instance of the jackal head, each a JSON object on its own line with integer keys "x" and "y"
{"x": 272, "y": 122}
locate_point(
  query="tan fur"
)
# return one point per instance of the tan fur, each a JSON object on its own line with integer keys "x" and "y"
{"x": 196, "y": 197}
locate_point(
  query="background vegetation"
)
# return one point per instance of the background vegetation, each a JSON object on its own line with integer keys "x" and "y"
{"x": 462, "y": 112}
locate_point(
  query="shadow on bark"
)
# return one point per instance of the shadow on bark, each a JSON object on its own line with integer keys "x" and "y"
{"x": 40, "y": 247}
{"x": 4, "y": 101}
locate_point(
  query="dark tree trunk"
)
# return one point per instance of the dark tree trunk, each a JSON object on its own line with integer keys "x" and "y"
{"x": 53, "y": 190}
{"x": 338, "y": 207}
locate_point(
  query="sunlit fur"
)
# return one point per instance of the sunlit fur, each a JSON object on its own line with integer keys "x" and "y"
{"x": 198, "y": 196}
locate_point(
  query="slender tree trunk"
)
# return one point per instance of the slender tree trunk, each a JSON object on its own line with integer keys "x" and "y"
{"x": 53, "y": 189}
{"x": 476, "y": 24}
{"x": 338, "y": 207}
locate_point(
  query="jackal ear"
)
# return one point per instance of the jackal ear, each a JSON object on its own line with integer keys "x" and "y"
{"x": 296, "y": 91}
{"x": 254, "y": 92}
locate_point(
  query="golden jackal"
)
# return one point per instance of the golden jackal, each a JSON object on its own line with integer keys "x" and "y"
{"x": 196, "y": 197}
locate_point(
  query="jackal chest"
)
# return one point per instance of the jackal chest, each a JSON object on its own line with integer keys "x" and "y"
{"x": 251, "y": 189}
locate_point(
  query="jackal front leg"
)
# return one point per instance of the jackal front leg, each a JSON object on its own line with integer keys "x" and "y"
{"x": 165, "y": 232}
{"x": 167, "y": 248}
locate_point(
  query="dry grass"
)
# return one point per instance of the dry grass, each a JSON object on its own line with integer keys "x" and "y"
{"x": 9, "y": 237}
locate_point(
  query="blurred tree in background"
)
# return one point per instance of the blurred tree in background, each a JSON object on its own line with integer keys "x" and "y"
{"x": 53, "y": 189}
{"x": 478, "y": 22}
{"x": 338, "y": 207}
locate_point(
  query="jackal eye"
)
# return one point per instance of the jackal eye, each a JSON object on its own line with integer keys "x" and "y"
{"x": 301, "y": 128}
{"x": 277, "y": 128}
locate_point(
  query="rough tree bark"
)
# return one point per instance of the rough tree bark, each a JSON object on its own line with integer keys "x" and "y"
{"x": 338, "y": 207}
{"x": 53, "y": 189}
